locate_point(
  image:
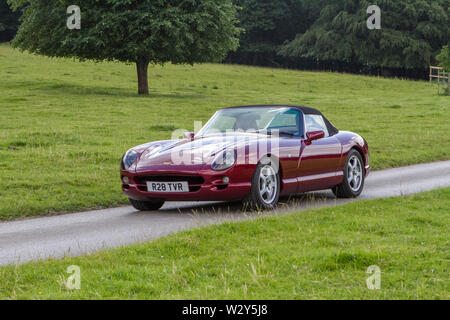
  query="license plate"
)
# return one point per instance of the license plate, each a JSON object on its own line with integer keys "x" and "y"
{"x": 167, "y": 187}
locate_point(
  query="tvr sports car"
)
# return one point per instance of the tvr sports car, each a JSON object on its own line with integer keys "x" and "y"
{"x": 250, "y": 153}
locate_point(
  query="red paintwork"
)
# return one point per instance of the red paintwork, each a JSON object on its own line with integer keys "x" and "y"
{"x": 305, "y": 165}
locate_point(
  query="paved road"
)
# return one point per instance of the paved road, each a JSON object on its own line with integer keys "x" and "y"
{"x": 88, "y": 232}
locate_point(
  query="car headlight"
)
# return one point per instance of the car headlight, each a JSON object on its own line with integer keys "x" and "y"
{"x": 129, "y": 159}
{"x": 224, "y": 160}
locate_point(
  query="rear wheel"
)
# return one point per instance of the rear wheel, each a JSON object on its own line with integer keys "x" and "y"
{"x": 353, "y": 183}
{"x": 265, "y": 190}
{"x": 146, "y": 205}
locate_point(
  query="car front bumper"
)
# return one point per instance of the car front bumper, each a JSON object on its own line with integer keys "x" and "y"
{"x": 368, "y": 169}
{"x": 205, "y": 185}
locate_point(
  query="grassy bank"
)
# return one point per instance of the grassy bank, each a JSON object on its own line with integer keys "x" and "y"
{"x": 316, "y": 254}
{"x": 64, "y": 125}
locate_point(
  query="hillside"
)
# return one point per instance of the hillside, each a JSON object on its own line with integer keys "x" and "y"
{"x": 64, "y": 125}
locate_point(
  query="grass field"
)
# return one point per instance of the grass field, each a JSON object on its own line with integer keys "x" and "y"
{"x": 316, "y": 254}
{"x": 64, "y": 125}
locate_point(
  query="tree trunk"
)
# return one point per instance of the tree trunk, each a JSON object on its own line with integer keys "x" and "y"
{"x": 142, "y": 73}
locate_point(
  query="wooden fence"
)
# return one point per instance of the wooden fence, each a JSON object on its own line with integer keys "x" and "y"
{"x": 438, "y": 73}
{"x": 434, "y": 73}
{"x": 442, "y": 77}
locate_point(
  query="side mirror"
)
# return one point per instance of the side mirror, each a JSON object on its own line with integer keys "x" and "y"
{"x": 315, "y": 135}
{"x": 189, "y": 135}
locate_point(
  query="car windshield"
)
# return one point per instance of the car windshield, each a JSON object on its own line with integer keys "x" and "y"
{"x": 285, "y": 121}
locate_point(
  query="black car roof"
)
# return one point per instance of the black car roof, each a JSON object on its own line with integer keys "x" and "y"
{"x": 304, "y": 109}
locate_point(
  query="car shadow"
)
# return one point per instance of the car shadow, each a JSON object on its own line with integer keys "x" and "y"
{"x": 238, "y": 208}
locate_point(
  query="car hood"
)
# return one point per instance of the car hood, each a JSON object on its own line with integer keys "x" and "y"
{"x": 198, "y": 152}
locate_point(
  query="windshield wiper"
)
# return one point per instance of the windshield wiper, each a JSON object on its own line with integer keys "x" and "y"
{"x": 270, "y": 133}
{"x": 286, "y": 133}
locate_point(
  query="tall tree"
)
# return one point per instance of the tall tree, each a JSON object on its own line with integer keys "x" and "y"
{"x": 137, "y": 31}
{"x": 269, "y": 23}
{"x": 9, "y": 22}
{"x": 411, "y": 34}
{"x": 444, "y": 58}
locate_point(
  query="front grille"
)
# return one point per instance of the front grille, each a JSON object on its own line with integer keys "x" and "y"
{"x": 191, "y": 180}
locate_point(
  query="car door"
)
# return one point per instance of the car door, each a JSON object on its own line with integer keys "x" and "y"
{"x": 319, "y": 159}
{"x": 289, "y": 146}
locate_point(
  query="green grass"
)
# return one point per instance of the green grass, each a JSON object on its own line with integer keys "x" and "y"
{"x": 64, "y": 125}
{"x": 315, "y": 254}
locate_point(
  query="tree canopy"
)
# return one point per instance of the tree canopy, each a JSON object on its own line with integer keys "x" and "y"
{"x": 267, "y": 24}
{"x": 307, "y": 34}
{"x": 139, "y": 31}
{"x": 444, "y": 58}
{"x": 412, "y": 33}
{"x": 9, "y": 22}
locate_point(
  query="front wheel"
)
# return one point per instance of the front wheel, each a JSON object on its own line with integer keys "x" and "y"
{"x": 354, "y": 176}
{"x": 146, "y": 205}
{"x": 265, "y": 191}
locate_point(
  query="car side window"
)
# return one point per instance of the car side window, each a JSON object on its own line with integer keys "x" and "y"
{"x": 316, "y": 123}
{"x": 288, "y": 121}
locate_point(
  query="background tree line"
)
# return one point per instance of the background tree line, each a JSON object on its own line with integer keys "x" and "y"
{"x": 9, "y": 22}
{"x": 333, "y": 35}
{"x": 330, "y": 35}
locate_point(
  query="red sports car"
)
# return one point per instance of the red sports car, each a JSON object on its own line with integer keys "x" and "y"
{"x": 251, "y": 153}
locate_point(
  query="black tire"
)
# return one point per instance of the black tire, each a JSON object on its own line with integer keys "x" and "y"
{"x": 351, "y": 189}
{"x": 255, "y": 200}
{"x": 146, "y": 205}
